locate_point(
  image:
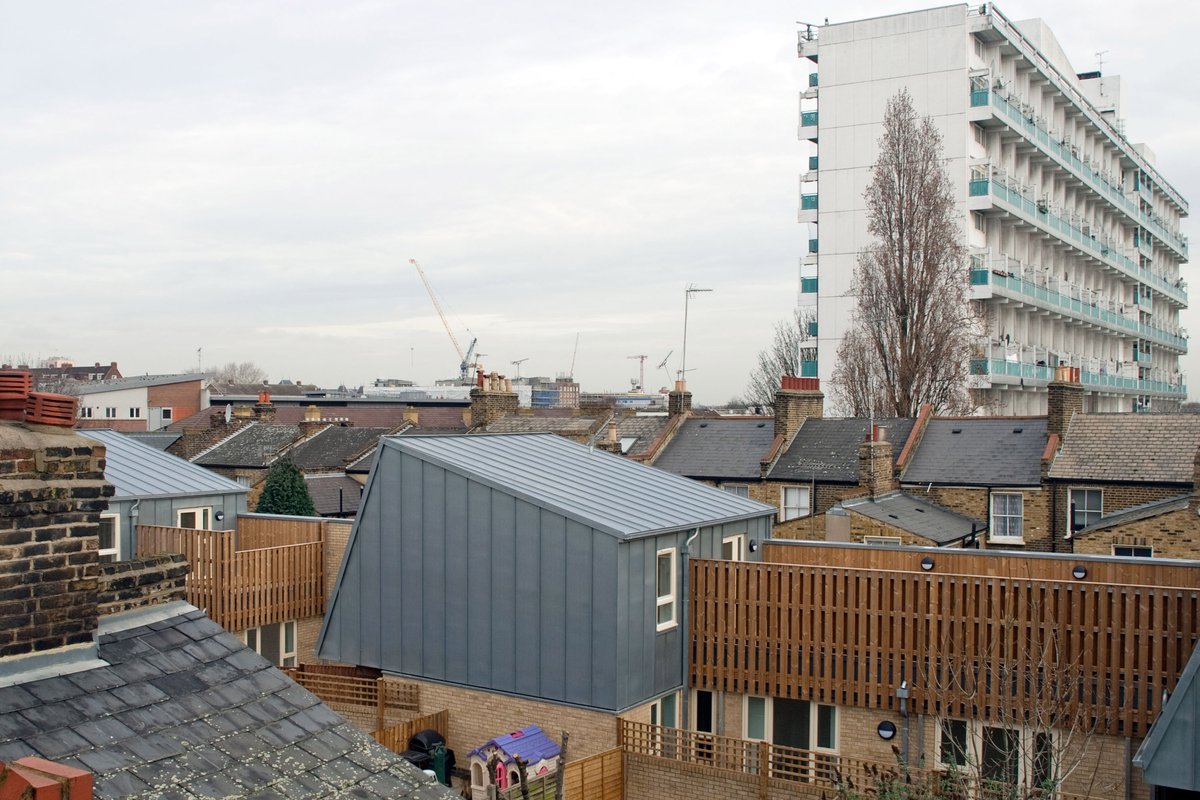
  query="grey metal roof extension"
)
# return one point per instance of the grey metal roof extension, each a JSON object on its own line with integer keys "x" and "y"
{"x": 620, "y": 497}
{"x": 183, "y": 709}
{"x": 255, "y": 445}
{"x": 920, "y": 517}
{"x": 718, "y": 448}
{"x": 135, "y": 382}
{"x": 139, "y": 470}
{"x": 826, "y": 448}
{"x": 1143, "y": 448}
{"x": 979, "y": 451}
{"x": 1170, "y": 755}
{"x": 160, "y": 440}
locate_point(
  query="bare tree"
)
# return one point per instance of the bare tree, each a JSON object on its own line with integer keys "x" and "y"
{"x": 781, "y": 358}
{"x": 235, "y": 372}
{"x": 914, "y": 325}
{"x": 857, "y": 383}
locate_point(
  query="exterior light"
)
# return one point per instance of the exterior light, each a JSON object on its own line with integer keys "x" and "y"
{"x": 1079, "y": 572}
{"x": 886, "y": 730}
{"x": 927, "y": 563}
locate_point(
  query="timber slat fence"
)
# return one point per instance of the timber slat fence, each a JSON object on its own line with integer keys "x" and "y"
{"x": 241, "y": 587}
{"x": 1103, "y": 651}
{"x": 598, "y": 777}
{"x": 395, "y": 737}
{"x": 373, "y": 704}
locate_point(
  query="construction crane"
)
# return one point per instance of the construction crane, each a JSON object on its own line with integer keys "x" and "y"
{"x": 574, "y": 353}
{"x": 464, "y": 367}
{"x": 641, "y": 385}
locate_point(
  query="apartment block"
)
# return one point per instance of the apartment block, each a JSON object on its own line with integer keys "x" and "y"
{"x": 1073, "y": 233}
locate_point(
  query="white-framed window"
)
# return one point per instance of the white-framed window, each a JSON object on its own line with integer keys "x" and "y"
{"x": 135, "y": 413}
{"x": 793, "y": 502}
{"x": 756, "y": 718}
{"x": 665, "y": 711}
{"x": 881, "y": 541}
{"x": 1008, "y": 517}
{"x": 196, "y": 518}
{"x": 110, "y": 412}
{"x": 733, "y": 548}
{"x": 275, "y": 642}
{"x": 110, "y": 538}
{"x": 977, "y": 219}
{"x": 804, "y": 724}
{"x": 664, "y": 589}
{"x": 243, "y": 480}
{"x": 1086, "y": 506}
{"x": 740, "y": 489}
{"x": 85, "y": 412}
{"x": 1133, "y": 551}
{"x": 166, "y": 414}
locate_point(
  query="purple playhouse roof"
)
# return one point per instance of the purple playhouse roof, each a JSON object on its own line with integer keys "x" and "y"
{"x": 530, "y": 743}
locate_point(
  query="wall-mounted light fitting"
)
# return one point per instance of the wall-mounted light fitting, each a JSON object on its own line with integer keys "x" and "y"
{"x": 753, "y": 546}
{"x": 1079, "y": 572}
{"x": 886, "y": 730}
{"x": 219, "y": 515}
{"x": 927, "y": 563}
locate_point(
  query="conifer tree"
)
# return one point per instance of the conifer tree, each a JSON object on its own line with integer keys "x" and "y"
{"x": 285, "y": 492}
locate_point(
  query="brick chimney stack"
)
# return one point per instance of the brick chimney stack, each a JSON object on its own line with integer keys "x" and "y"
{"x": 875, "y": 466}
{"x": 797, "y": 400}
{"x": 264, "y": 409}
{"x": 312, "y": 421}
{"x": 1065, "y": 400}
{"x": 679, "y": 401}
{"x": 491, "y": 399}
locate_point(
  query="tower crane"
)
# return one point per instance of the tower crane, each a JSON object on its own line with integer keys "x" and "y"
{"x": 464, "y": 367}
{"x": 641, "y": 386}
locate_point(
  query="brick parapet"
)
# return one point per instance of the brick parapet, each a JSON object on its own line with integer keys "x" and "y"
{"x": 137, "y": 583}
{"x": 792, "y": 407}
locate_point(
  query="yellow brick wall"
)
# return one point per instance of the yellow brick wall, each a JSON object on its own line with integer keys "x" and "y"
{"x": 1175, "y": 534}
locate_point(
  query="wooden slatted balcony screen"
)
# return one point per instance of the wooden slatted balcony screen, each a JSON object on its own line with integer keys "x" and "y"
{"x": 969, "y": 645}
{"x": 245, "y": 588}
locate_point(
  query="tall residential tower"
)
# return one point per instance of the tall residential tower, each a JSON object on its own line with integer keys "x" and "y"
{"x": 1073, "y": 233}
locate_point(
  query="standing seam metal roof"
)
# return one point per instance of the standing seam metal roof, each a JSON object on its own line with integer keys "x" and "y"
{"x": 139, "y": 470}
{"x": 601, "y": 490}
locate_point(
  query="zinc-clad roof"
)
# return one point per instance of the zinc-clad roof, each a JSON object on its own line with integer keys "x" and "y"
{"x": 718, "y": 448}
{"x": 1170, "y": 755}
{"x": 981, "y": 451}
{"x": 136, "y": 382}
{"x": 139, "y": 470}
{"x": 601, "y": 490}
{"x": 826, "y": 449}
{"x": 1145, "y": 511}
{"x": 1145, "y": 448}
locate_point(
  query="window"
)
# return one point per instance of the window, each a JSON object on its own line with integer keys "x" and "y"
{"x": 733, "y": 548}
{"x": 978, "y": 131}
{"x": 195, "y": 518}
{"x": 664, "y": 583}
{"x": 792, "y": 723}
{"x": 793, "y": 503}
{"x": 110, "y": 412}
{"x": 952, "y": 751}
{"x": 977, "y": 219}
{"x": 135, "y": 413}
{"x": 1132, "y": 551}
{"x": 740, "y": 489}
{"x": 243, "y": 480}
{"x": 275, "y": 642}
{"x": 166, "y": 414}
{"x": 881, "y": 541}
{"x": 1086, "y": 507}
{"x": 1043, "y": 761}
{"x": 757, "y": 717}
{"x": 110, "y": 530}
{"x": 1007, "y": 518}
{"x": 663, "y": 711}
{"x": 85, "y": 412}
{"x": 1000, "y": 756}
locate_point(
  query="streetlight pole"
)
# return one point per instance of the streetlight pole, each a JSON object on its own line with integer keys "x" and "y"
{"x": 687, "y": 299}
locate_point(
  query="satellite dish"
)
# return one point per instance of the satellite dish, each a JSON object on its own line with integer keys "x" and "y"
{"x": 228, "y": 412}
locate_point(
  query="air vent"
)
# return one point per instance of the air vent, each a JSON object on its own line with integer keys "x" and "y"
{"x": 1018, "y": 430}
{"x": 956, "y": 430}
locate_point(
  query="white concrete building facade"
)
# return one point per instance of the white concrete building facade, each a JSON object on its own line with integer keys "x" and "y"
{"x": 1075, "y": 249}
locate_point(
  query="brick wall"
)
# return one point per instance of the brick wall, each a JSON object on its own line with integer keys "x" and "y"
{"x": 1117, "y": 497}
{"x": 1175, "y": 534}
{"x": 182, "y": 398}
{"x": 137, "y": 583}
{"x": 808, "y": 528}
{"x": 52, "y": 491}
{"x": 793, "y": 407}
{"x": 488, "y": 405}
{"x": 875, "y": 471}
{"x": 974, "y": 501}
{"x": 477, "y": 716}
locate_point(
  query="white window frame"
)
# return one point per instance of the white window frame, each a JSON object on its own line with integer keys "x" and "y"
{"x": 135, "y": 412}
{"x": 253, "y": 638}
{"x": 768, "y": 718}
{"x": 110, "y": 412}
{"x": 739, "y": 489}
{"x": 662, "y": 600}
{"x": 882, "y": 541}
{"x": 737, "y": 544}
{"x": 115, "y": 550}
{"x": 992, "y": 516}
{"x": 85, "y": 412}
{"x": 1070, "y": 497}
{"x": 166, "y": 413}
{"x": 1115, "y": 547}
{"x": 973, "y": 756}
{"x": 795, "y": 510}
{"x": 204, "y": 515}
{"x": 967, "y": 743}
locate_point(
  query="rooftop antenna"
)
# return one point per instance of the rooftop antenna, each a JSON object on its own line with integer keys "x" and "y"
{"x": 518, "y": 364}
{"x": 641, "y": 372}
{"x": 1100, "y": 61}
{"x": 687, "y": 299}
{"x": 663, "y": 365}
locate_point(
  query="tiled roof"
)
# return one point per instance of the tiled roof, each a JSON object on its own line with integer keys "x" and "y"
{"x": 140, "y": 471}
{"x": 979, "y": 451}
{"x": 255, "y": 445}
{"x": 643, "y": 429}
{"x": 1144, "y": 511}
{"x": 719, "y": 447}
{"x": 184, "y": 709}
{"x": 826, "y": 448}
{"x": 563, "y": 426}
{"x": 334, "y": 495}
{"x": 360, "y": 414}
{"x": 334, "y": 446}
{"x": 1142, "y": 448}
{"x": 908, "y": 513}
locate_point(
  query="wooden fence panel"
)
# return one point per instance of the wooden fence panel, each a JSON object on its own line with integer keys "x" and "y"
{"x": 1103, "y": 653}
{"x": 395, "y": 737}
{"x": 599, "y": 777}
{"x": 257, "y": 532}
{"x": 370, "y": 703}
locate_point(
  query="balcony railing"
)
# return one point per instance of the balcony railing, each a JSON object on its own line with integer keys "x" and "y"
{"x": 1013, "y": 197}
{"x": 259, "y": 578}
{"x": 1045, "y": 292}
{"x": 812, "y": 79}
{"x": 1013, "y": 363}
{"x": 808, "y": 202}
{"x": 1060, "y": 151}
{"x": 813, "y": 245}
{"x": 808, "y": 285}
{"x": 808, "y": 369}
{"x": 808, "y": 118}
{"x": 812, "y": 162}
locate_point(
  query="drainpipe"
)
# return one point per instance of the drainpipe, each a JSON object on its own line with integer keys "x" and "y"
{"x": 133, "y": 518}
{"x": 684, "y": 649}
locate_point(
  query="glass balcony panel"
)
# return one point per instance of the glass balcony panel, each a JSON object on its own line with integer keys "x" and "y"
{"x": 808, "y": 118}
{"x": 808, "y": 202}
{"x": 808, "y": 285}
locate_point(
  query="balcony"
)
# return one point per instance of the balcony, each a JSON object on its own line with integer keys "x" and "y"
{"x": 808, "y": 285}
{"x": 808, "y": 125}
{"x": 812, "y": 163}
{"x": 1028, "y": 366}
{"x": 813, "y": 245}
{"x": 808, "y": 202}
{"x": 811, "y": 329}
{"x": 267, "y": 571}
{"x": 808, "y": 369}
{"x": 812, "y": 80}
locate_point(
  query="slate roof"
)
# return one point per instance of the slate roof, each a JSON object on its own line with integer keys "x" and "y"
{"x": 159, "y": 440}
{"x": 1141, "y": 448}
{"x": 139, "y": 470}
{"x": 607, "y": 492}
{"x": 1144, "y": 511}
{"x": 826, "y": 448}
{"x": 137, "y": 382}
{"x": 979, "y": 451}
{"x": 909, "y": 513}
{"x": 335, "y": 446}
{"x": 323, "y": 489}
{"x": 529, "y": 743}
{"x": 718, "y": 447}
{"x": 644, "y": 429}
{"x": 183, "y": 709}
{"x": 360, "y": 414}
{"x": 562, "y": 426}
{"x": 255, "y": 445}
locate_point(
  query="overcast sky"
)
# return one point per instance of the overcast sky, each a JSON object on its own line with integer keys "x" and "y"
{"x": 252, "y": 178}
